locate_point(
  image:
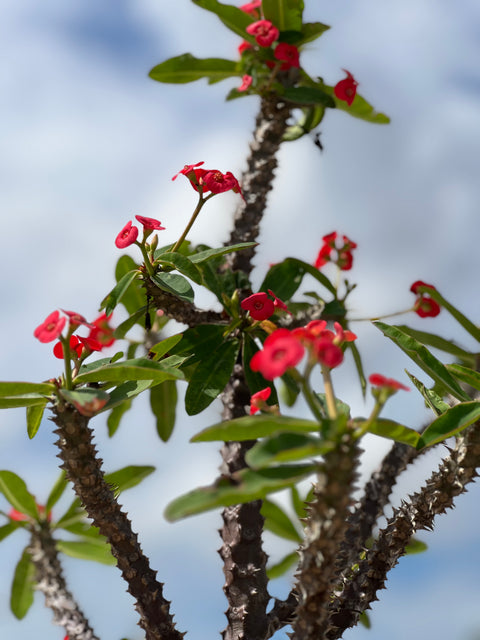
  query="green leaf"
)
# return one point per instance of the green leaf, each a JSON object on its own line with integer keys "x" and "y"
{"x": 277, "y": 521}
{"x": 15, "y": 491}
{"x": 432, "y": 399}
{"x": 466, "y": 375}
{"x": 11, "y": 389}
{"x": 286, "y": 15}
{"x": 163, "y": 401}
{"x": 136, "y": 318}
{"x": 285, "y": 277}
{"x": 123, "y": 394}
{"x": 134, "y": 297}
{"x": 74, "y": 514}
{"x": 299, "y": 504}
{"x": 311, "y": 31}
{"x": 56, "y": 492}
{"x": 199, "y": 342}
{"x": 415, "y": 546}
{"x": 87, "y": 401}
{"x": 211, "y": 376}
{"x": 15, "y": 402}
{"x": 116, "y": 294}
{"x": 86, "y": 550}
{"x": 164, "y": 346}
{"x": 128, "y": 477}
{"x": 21, "y": 596}
{"x": 182, "y": 264}
{"x": 232, "y": 17}
{"x": 359, "y": 366}
{"x": 187, "y": 68}
{"x": 286, "y": 447}
{"x": 392, "y": 430}
{"x": 423, "y": 358}
{"x": 9, "y": 528}
{"x": 364, "y": 620}
{"x": 360, "y": 108}
{"x": 176, "y": 284}
{"x": 253, "y": 427}
{"x": 247, "y": 485}
{"x": 449, "y": 423}
{"x": 437, "y": 342}
{"x": 280, "y": 568}
{"x": 209, "y": 254}
{"x": 134, "y": 369}
{"x": 311, "y": 118}
{"x": 255, "y": 380}
{"x": 116, "y": 414}
{"x": 467, "y": 324}
{"x": 34, "y": 418}
{"x": 308, "y": 96}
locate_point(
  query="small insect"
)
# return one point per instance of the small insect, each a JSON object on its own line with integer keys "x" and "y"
{"x": 317, "y": 142}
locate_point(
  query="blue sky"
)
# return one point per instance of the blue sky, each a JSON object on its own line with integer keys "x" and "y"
{"x": 88, "y": 141}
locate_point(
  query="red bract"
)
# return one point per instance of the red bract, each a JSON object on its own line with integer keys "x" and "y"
{"x": 150, "y": 223}
{"x": 18, "y": 516}
{"x": 258, "y": 400}
{"x": 244, "y": 46}
{"x": 381, "y": 381}
{"x": 102, "y": 331}
{"x": 418, "y": 283}
{"x": 346, "y": 89}
{"x": 218, "y": 182}
{"x": 281, "y": 351}
{"x": 75, "y": 319}
{"x": 259, "y": 305}
{"x": 246, "y": 82}
{"x": 288, "y": 53}
{"x": 91, "y": 344}
{"x": 327, "y": 353}
{"x": 343, "y": 256}
{"x": 50, "y": 328}
{"x": 127, "y": 236}
{"x": 188, "y": 170}
{"x": 252, "y": 8}
{"x": 425, "y": 306}
{"x": 277, "y": 303}
{"x": 264, "y": 32}
{"x": 75, "y": 345}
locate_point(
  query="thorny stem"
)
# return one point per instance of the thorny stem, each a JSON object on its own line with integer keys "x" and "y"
{"x": 50, "y": 581}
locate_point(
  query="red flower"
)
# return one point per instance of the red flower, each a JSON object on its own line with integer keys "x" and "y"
{"x": 346, "y": 88}
{"x": 246, "y": 82}
{"x": 425, "y": 306}
{"x": 188, "y": 170}
{"x": 127, "y": 236}
{"x": 102, "y": 331}
{"x": 91, "y": 344}
{"x": 289, "y": 54}
{"x": 323, "y": 344}
{"x": 264, "y": 32}
{"x": 244, "y": 46}
{"x": 327, "y": 353}
{"x": 218, "y": 182}
{"x": 281, "y": 351}
{"x": 277, "y": 303}
{"x": 259, "y": 305}
{"x": 257, "y": 401}
{"x": 150, "y": 223}
{"x": 50, "y": 328}
{"x": 251, "y": 8}
{"x": 75, "y": 319}
{"x": 381, "y": 381}
{"x": 75, "y": 345}
{"x": 18, "y": 516}
{"x": 343, "y": 258}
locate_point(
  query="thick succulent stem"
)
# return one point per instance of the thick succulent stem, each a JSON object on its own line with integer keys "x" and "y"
{"x": 50, "y": 581}
{"x": 435, "y": 497}
{"x": 242, "y": 553}
{"x": 325, "y": 528}
{"x": 257, "y": 180}
{"x": 84, "y": 469}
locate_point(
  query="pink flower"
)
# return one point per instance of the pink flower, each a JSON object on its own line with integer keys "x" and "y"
{"x": 246, "y": 82}
{"x": 264, "y": 32}
{"x": 259, "y": 305}
{"x": 257, "y": 401}
{"x": 127, "y": 236}
{"x": 50, "y": 328}
{"x": 102, "y": 331}
{"x": 251, "y": 8}
{"x": 244, "y": 46}
{"x": 381, "y": 381}
{"x": 425, "y": 306}
{"x": 288, "y": 53}
{"x": 150, "y": 223}
{"x": 346, "y": 89}
{"x": 281, "y": 351}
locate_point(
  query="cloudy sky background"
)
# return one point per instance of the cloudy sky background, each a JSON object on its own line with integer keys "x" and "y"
{"x": 88, "y": 141}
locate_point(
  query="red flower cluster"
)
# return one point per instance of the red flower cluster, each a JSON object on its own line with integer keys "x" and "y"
{"x": 387, "y": 383}
{"x": 342, "y": 257}
{"x": 284, "y": 349}
{"x": 288, "y": 54}
{"x": 129, "y": 233}
{"x": 261, "y": 306}
{"x": 264, "y": 32}
{"x": 210, "y": 179}
{"x": 346, "y": 89}
{"x": 100, "y": 336}
{"x": 258, "y": 400}
{"x": 425, "y": 306}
